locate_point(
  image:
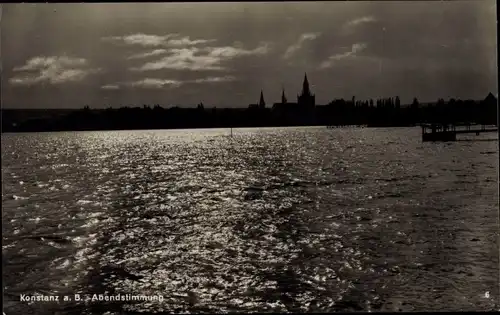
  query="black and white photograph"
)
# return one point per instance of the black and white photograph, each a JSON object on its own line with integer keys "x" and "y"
{"x": 249, "y": 157}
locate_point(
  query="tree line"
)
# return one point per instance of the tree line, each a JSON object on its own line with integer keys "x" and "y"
{"x": 383, "y": 112}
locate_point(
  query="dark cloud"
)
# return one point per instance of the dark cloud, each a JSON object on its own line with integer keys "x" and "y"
{"x": 225, "y": 53}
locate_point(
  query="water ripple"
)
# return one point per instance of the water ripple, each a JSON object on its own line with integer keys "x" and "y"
{"x": 271, "y": 220}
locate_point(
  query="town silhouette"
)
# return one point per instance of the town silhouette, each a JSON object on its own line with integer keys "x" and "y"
{"x": 384, "y": 112}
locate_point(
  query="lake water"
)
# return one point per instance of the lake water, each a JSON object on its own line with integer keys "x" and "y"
{"x": 271, "y": 220}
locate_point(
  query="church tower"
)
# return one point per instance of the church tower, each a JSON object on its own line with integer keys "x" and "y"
{"x": 283, "y": 97}
{"x": 306, "y": 99}
{"x": 262, "y": 103}
{"x": 305, "y": 86}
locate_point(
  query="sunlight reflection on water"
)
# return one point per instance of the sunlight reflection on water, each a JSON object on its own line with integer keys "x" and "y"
{"x": 289, "y": 219}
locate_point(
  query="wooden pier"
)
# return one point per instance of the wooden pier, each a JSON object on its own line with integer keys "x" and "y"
{"x": 448, "y": 132}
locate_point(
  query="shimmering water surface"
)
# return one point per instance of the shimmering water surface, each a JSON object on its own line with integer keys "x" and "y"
{"x": 271, "y": 220}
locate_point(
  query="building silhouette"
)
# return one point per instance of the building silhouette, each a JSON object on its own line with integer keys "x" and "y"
{"x": 306, "y": 99}
{"x": 283, "y": 102}
{"x": 262, "y": 103}
{"x": 382, "y": 112}
{"x": 283, "y": 97}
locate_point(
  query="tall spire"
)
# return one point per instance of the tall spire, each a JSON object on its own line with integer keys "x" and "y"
{"x": 306, "y": 99}
{"x": 262, "y": 103}
{"x": 283, "y": 97}
{"x": 305, "y": 86}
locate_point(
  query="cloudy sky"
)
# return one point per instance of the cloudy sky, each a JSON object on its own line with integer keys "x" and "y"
{"x": 70, "y": 55}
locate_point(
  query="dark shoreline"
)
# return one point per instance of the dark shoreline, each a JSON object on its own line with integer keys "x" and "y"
{"x": 384, "y": 113}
